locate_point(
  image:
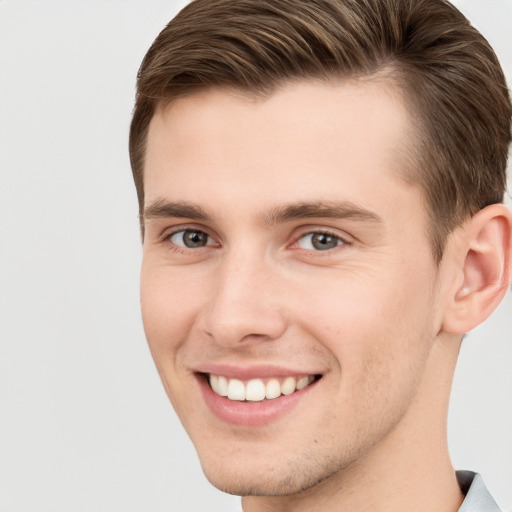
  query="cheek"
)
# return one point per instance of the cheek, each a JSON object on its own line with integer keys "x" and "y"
{"x": 380, "y": 342}
{"x": 378, "y": 327}
{"x": 167, "y": 315}
{"x": 167, "y": 309}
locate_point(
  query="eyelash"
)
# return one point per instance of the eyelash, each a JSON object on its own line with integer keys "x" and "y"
{"x": 167, "y": 239}
{"x": 340, "y": 241}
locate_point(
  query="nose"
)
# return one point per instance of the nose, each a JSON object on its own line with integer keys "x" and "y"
{"x": 243, "y": 306}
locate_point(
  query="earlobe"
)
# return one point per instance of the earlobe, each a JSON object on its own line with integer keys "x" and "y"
{"x": 486, "y": 265}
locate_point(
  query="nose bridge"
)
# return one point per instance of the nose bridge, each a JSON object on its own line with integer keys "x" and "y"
{"x": 244, "y": 303}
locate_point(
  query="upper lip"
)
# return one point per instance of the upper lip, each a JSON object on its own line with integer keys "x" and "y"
{"x": 252, "y": 371}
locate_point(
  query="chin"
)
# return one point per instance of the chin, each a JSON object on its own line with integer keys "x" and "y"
{"x": 252, "y": 485}
{"x": 273, "y": 480}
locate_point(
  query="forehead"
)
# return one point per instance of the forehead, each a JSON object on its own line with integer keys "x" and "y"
{"x": 307, "y": 140}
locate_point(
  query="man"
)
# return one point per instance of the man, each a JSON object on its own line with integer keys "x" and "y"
{"x": 320, "y": 187}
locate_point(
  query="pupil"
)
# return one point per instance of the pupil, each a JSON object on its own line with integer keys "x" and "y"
{"x": 195, "y": 239}
{"x": 323, "y": 242}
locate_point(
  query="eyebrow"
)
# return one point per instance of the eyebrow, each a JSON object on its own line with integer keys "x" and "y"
{"x": 277, "y": 215}
{"x": 177, "y": 209}
{"x": 321, "y": 209}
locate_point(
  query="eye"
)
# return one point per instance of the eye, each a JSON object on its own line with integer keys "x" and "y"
{"x": 319, "y": 241}
{"x": 191, "y": 239}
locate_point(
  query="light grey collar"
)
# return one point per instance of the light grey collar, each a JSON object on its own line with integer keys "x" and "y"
{"x": 477, "y": 498}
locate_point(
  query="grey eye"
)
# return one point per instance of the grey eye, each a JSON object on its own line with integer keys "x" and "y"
{"x": 191, "y": 238}
{"x": 319, "y": 241}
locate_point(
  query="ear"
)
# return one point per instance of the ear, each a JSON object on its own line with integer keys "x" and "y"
{"x": 485, "y": 262}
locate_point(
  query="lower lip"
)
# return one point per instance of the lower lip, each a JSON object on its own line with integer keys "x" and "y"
{"x": 250, "y": 414}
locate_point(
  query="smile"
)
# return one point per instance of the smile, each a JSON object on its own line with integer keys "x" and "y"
{"x": 257, "y": 390}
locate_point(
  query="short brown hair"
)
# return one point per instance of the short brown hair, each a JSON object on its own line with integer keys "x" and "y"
{"x": 448, "y": 72}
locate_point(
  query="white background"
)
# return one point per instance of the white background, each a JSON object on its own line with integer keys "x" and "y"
{"x": 84, "y": 424}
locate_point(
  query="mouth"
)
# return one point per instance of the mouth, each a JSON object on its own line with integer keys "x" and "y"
{"x": 258, "y": 389}
{"x": 256, "y": 396}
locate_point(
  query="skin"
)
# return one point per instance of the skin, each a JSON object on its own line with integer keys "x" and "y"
{"x": 369, "y": 314}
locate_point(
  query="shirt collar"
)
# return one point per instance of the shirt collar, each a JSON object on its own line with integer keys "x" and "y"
{"x": 478, "y": 498}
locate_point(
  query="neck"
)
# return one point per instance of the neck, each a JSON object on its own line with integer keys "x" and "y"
{"x": 416, "y": 483}
{"x": 409, "y": 470}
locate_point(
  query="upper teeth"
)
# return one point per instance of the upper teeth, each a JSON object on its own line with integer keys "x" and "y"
{"x": 256, "y": 390}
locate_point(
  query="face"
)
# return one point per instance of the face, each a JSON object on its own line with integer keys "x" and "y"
{"x": 286, "y": 265}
